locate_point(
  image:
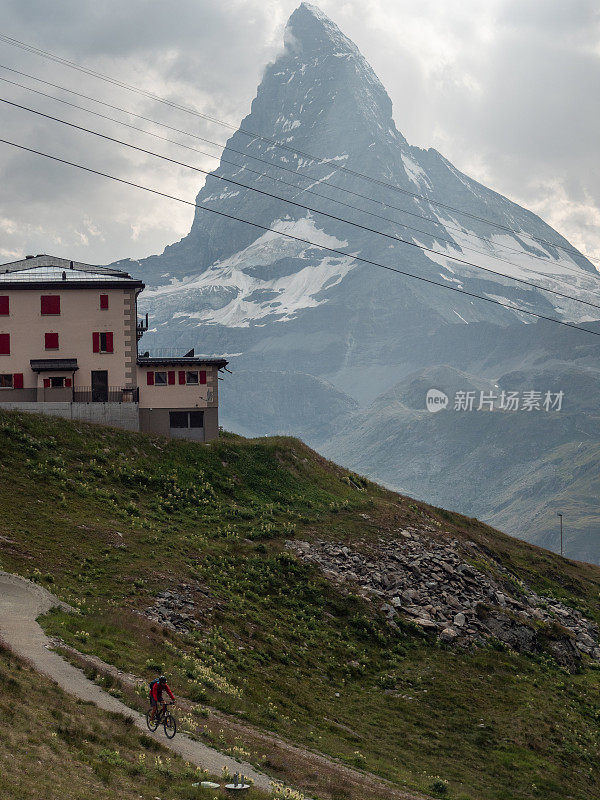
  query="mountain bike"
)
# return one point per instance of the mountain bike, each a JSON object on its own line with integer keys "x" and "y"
{"x": 162, "y": 717}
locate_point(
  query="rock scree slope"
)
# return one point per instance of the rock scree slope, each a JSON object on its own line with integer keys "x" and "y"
{"x": 434, "y": 584}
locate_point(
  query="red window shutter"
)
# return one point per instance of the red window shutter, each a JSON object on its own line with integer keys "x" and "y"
{"x": 4, "y": 344}
{"x": 103, "y": 301}
{"x": 109, "y": 343}
{"x": 68, "y": 382}
{"x": 46, "y": 383}
{"x": 182, "y": 378}
{"x": 202, "y": 376}
{"x": 171, "y": 378}
{"x": 150, "y": 378}
{"x": 50, "y": 304}
{"x": 18, "y": 380}
{"x": 96, "y": 342}
{"x": 51, "y": 341}
{"x": 4, "y": 305}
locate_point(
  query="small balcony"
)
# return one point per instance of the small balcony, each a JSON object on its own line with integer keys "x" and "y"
{"x": 106, "y": 394}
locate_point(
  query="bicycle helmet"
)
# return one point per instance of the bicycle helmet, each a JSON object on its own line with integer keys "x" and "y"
{"x": 162, "y": 679}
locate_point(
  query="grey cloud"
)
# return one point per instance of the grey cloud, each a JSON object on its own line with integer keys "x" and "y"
{"x": 509, "y": 91}
{"x": 577, "y": 19}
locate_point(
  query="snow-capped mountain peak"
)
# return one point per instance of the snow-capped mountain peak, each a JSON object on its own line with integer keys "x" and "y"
{"x": 327, "y": 122}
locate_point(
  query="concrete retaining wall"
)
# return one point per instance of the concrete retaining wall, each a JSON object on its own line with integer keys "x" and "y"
{"x": 119, "y": 415}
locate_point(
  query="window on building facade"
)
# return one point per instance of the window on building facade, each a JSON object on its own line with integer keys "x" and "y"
{"x": 51, "y": 341}
{"x": 50, "y": 304}
{"x": 106, "y": 342}
{"x": 186, "y": 419}
{"x": 103, "y": 301}
{"x": 160, "y": 378}
{"x": 196, "y": 419}
{"x": 102, "y": 342}
{"x": 57, "y": 383}
{"x": 4, "y": 344}
{"x": 4, "y": 305}
{"x": 192, "y": 378}
{"x": 6, "y": 381}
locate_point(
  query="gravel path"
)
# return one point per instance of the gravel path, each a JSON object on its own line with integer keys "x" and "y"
{"x": 21, "y": 602}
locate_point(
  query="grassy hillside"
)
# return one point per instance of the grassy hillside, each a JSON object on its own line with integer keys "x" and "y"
{"x": 55, "y": 746}
{"x": 108, "y": 519}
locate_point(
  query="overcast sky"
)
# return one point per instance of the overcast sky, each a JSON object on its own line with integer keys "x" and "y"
{"x": 508, "y": 90}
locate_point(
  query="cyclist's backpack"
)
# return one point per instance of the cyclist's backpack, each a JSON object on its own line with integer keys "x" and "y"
{"x": 152, "y": 684}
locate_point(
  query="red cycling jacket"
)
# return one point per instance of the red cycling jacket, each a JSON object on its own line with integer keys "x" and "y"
{"x": 157, "y": 690}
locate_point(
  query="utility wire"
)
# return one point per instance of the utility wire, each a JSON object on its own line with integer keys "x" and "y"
{"x": 296, "y": 173}
{"x": 242, "y": 168}
{"x": 187, "y": 109}
{"x": 302, "y": 240}
{"x": 294, "y": 203}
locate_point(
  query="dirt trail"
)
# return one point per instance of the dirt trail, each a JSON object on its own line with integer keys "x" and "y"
{"x": 21, "y": 602}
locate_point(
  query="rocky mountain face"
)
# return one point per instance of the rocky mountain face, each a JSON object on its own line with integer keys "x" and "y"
{"x": 342, "y": 353}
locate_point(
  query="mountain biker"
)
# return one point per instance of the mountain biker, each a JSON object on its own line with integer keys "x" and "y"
{"x": 157, "y": 688}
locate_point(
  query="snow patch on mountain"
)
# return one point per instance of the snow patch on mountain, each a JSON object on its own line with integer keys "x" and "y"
{"x": 555, "y": 277}
{"x": 251, "y": 298}
{"x": 416, "y": 174}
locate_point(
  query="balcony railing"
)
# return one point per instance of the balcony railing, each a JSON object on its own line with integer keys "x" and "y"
{"x": 142, "y": 327}
{"x": 105, "y": 394}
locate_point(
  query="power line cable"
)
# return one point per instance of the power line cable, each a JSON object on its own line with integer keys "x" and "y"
{"x": 290, "y": 236}
{"x": 296, "y": 173}
{"x": 295, "y": 203}
{"x": 187, "y": 109}
{"x": 243, "y": 168}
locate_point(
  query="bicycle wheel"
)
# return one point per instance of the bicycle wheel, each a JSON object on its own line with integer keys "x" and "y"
{"x": 151, "y": 723}
{"x": 170, "y": 726}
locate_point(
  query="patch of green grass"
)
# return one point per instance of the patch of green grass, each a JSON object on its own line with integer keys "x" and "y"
{"x": 115, "y": 517}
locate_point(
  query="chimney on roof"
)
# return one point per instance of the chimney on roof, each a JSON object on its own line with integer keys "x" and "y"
{"x": 71, "y": 265}
{"x": 64, "y": 276}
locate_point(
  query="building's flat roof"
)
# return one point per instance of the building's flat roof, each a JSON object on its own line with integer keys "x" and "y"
{"x": 148, "y": 361}
{"x": 47, "y": 270}
{"x": 52, "y": 364}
